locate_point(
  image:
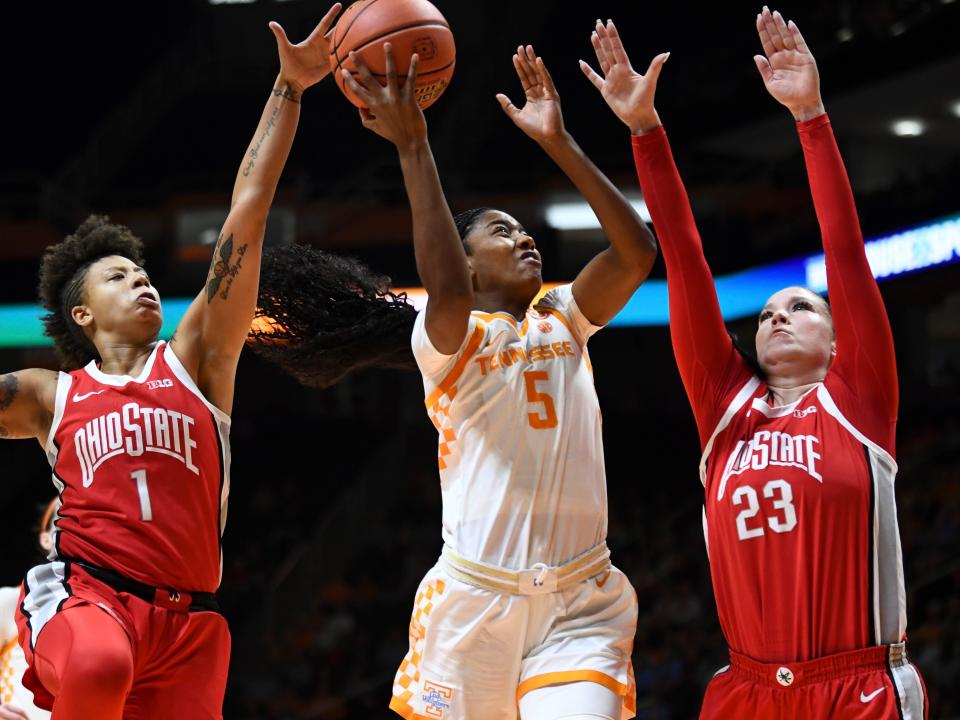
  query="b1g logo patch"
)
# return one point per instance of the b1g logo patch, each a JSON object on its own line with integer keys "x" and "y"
{"x": 436, "y": 699}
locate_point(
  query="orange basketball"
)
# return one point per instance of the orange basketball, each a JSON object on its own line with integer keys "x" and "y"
{"x": 410, "y": 26}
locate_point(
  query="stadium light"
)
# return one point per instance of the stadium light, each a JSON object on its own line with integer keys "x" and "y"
{"x": 578, "y": 215}
{"x": 908, "y": 128}
{"x": 955, "y": 108}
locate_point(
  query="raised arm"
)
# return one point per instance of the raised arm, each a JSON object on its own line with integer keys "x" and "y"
{"x": 608, "y": 281}
{"x": 212, "y": 333}
{"x": 392, "y": 112}
{"x": 709, "y": 365}
{"x": 865, "y": 354}
{"x": 26, "y": 404}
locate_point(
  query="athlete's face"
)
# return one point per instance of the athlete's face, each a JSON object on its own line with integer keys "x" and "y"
{"x": 795, "y": 333}
{"x": 119, "y": 302}
{"x": 503, "y": 257}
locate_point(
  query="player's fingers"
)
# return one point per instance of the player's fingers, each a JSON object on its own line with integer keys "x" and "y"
{"x": 786, "y": 37}
{"x": 364, "y": 77}
{"x": 600, "y": 53}
{"x": 765, "y": 41}
{"x": 544, "y": 75}
{"x": 798, "y": 40}
{"x": 605, "y": 42}
{"x": 411, "y": 82}
{"x": 326, "y": 22}
{"x": 525, "y": 82}
{"x": 619, "y": 53}
{"x": 592, "y": 75}
{"x": 771, "y": 28}
{"x": 356, "y": 88}
{"x": 278, "y": 33}
{"x": 391, "y": 67}
{"x": 763, "y": 65}
{"x": 656, "y": 65}
{"x": 366, "y": 117}
{"x": 508, "y": 107}
{"x": 524, "y": 66}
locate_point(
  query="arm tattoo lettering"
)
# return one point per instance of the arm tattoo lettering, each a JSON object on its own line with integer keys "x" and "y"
{"x": 222, "y": 272}
{"x": 255, "y": 150}
{"x": 8, "y": 390}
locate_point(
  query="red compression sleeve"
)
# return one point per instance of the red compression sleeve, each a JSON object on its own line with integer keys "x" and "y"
{"x": 865, "y": 360}
{"x": 709, "y": 365}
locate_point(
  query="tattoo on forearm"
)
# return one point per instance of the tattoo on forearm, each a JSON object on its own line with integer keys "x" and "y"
{"x": 287, "y": 93}
{"x": 222, "y": 272}
{"x": 255, "y": 150}
{"x": 8, "y": 390}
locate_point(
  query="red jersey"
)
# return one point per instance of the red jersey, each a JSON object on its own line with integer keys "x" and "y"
{"x": 799, "y": 514}
{"x": 142, "y": 466}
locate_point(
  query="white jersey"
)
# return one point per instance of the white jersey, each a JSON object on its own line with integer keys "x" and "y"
{"x": 520, "y": 448}
{"x": 12, "y": 662}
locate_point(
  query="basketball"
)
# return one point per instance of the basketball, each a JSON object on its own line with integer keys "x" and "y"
{"x": 410, "y": 26}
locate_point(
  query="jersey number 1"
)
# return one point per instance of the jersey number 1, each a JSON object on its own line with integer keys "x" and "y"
{"x": 146, "y": 512}
{"x": 549, "y": 417}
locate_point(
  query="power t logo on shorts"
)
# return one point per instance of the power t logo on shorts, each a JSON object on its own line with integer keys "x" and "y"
{"x": 436, "y": 699}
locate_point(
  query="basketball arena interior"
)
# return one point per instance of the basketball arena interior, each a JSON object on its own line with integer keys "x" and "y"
{"x": 335, "y": 499}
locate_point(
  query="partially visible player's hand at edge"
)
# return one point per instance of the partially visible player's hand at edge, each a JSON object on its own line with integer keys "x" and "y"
{"x": 391, "y": 111}
{"x": 540, "y": 117}
{"x": 307, "y": 62}
{"x": 628, "y": 93}
{"x": 12, "y": 712}
{"x": 787, "y": 66}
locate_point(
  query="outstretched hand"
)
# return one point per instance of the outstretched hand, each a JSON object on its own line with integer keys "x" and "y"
{"x": 628, "y": 93}
{"x": 391, "y": 111}
{"x": 540, "y": 117}
{"x": 307, "y": 62}
{"x": 787, "y": 66}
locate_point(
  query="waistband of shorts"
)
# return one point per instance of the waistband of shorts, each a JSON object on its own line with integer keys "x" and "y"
{"x": 177, "y": 600}
{"x": 539, "y": 579}
{"x": 798, "y": 674}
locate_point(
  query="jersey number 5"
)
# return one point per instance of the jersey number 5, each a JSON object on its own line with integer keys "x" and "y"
{"x": 548, "y": 418}
{"x": 783, "y": 494}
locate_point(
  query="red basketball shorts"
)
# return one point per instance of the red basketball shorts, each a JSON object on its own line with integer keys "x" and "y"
{"x": 876, "y": 683}
{"x": 178, "y": 659}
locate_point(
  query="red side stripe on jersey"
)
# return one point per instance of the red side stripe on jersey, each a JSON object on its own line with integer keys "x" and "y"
{"x": 450, "y": 380}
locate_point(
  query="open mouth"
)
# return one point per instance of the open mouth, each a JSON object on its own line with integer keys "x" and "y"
{"x": 532, "y": 257}
{"x": 147, "y": 300}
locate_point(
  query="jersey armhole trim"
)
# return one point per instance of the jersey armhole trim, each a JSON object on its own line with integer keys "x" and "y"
{"x": 746, "y": 392}
{"x": 457, "y": 370}
{"x": 170, "y": 357}
{"x": 64, "y": 383}
{"x": 826, "y": 399}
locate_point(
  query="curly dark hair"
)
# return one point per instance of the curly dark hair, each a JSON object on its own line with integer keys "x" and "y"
{"x": 329, "y": 315}
{"x": 62, "y": 275}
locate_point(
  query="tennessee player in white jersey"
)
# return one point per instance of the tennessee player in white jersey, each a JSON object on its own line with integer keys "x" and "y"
{"x": 523, "y": 612}
{"x": 16, "y": 701}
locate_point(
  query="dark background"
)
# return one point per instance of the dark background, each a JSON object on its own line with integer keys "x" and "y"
{"x": 145, "y": 111}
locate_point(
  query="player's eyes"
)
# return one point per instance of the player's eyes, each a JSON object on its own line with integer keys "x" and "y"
{"x": 502, "y": 229}
{"x": 765, "y": 315}
{"x": 118, "y": 276}
{"x": 802, "y": 305}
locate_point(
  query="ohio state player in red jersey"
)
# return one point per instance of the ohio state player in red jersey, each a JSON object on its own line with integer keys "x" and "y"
{"x": 122, "y": 622}
{"x": 798, "y": 467}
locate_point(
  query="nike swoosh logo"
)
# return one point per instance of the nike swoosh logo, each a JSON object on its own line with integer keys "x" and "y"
{"x": 871, "y": 696}
{"x": 78, "y": 398}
